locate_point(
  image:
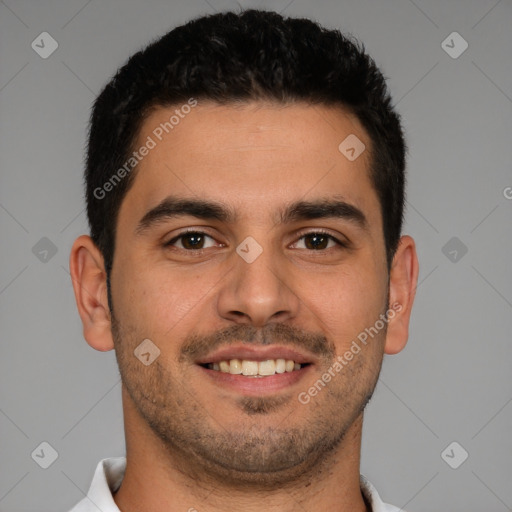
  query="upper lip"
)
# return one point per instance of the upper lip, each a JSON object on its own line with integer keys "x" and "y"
{"x": 252, "y": 353}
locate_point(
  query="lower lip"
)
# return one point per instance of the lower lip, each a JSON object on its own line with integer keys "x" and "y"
{"x": 256, "y": 386}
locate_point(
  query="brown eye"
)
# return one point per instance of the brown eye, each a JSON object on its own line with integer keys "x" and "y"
{"x": 190, "y": 241}
{"x": 319, "y": 241}
{"x": 316, "y": 241}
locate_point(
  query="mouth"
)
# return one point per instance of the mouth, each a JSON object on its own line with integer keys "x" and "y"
{"x": 252, "y": 371}
{"x": 249, "y": 368}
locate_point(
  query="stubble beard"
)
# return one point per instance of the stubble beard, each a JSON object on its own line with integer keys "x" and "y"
{"x": 245, "y": 453}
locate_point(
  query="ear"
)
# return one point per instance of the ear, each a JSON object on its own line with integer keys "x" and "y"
{"x": 90, "y": 285}
{"x": 402, "y": 288}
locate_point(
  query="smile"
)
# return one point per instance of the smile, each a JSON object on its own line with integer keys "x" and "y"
{"x": 250, "y": 368}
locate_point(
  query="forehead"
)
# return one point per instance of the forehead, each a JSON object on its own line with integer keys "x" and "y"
{"x": 253, "y": 156}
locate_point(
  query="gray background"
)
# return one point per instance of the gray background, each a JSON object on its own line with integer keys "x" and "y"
{"x": 451, "y": 383}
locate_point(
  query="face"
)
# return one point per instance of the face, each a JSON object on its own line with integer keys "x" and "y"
{"x": 285, "y": 262}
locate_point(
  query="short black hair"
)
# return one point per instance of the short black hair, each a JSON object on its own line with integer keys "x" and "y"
{"x": 236, "y": 57}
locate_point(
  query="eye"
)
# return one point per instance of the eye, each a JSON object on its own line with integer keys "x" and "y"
{"x": 190, "y": 240}
{"x": 319, "y": 240}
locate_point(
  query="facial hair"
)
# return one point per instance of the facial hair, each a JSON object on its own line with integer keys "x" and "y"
{"x": 252, "y": 451}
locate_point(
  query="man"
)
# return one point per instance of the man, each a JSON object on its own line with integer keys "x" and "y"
{"x": 245, "y": 182}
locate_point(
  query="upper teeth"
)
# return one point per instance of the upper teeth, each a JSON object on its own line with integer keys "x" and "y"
{"x": 252, "y": 368}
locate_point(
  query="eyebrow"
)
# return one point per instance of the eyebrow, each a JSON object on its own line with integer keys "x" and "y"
{"x": 172, "y": 207}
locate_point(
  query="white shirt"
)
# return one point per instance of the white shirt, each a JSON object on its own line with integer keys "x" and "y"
{"x": 110, "y": 472}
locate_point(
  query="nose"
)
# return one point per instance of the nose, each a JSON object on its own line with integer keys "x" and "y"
{"x": 259, "y": 291}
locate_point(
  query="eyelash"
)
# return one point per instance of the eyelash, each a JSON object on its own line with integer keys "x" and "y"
{"x": 301, "y": 235}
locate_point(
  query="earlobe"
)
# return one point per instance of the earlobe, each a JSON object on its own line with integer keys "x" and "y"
{"x": 89, "y": 284}
{"x": 402, "y": 288}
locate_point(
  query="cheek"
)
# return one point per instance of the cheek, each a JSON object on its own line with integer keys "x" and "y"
{"x": 159, "y": 299}
{"x": 347, "y": 301}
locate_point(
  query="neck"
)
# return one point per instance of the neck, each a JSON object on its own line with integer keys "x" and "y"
{"x": 161, "y": 479}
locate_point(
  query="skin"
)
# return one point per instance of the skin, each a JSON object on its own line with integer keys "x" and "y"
{"x": 192, "y": 444}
